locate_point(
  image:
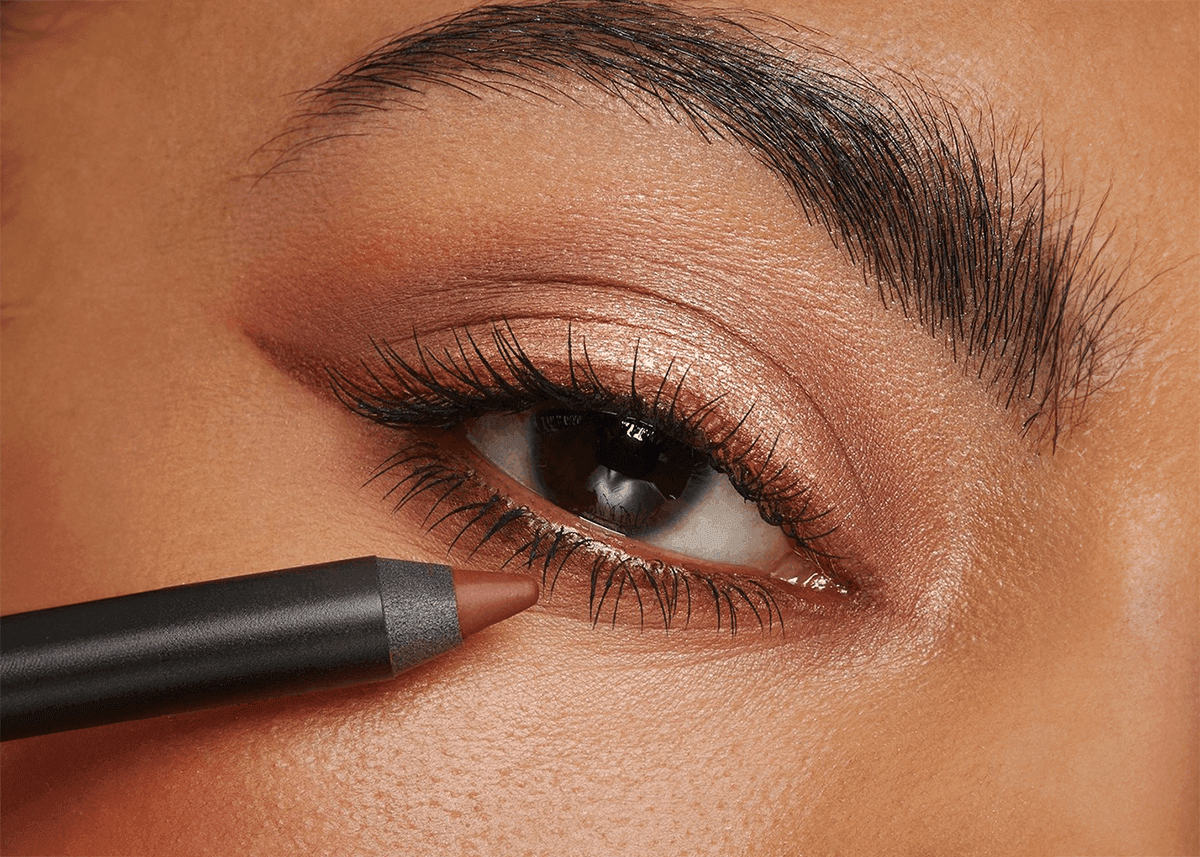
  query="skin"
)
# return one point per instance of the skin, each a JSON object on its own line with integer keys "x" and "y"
{"x": 1028, "y": 682}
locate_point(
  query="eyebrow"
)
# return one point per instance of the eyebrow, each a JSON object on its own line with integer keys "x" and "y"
{"x": 961, "y": 228}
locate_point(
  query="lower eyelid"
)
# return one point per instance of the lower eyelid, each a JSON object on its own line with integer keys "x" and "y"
{"x": 583, "y": 575}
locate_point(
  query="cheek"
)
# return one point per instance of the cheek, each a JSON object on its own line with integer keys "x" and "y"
{"x": 590, "y": 750}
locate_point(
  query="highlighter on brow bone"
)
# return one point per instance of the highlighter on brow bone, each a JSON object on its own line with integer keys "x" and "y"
{"x": 258, "y": 636}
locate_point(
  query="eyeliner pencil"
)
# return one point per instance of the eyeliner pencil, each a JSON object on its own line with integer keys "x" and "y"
{"x": 257, "y": 636}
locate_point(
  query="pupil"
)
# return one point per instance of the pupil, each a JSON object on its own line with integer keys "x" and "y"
{"x": 615, "y": 471}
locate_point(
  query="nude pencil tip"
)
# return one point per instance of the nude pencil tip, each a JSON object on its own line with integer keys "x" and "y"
{"x": 487, "y": 597}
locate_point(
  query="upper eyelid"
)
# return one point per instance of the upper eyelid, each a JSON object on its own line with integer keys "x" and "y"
{"x": 693, "y": 408}
{"x": 404, "y": 394}
{"x": 973, "y": 239}
{"x": 686, "y": 426}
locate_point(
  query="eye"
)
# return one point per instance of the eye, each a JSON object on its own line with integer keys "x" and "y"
{"x": 716, "y": 528}
{"x": 628, "y": 476}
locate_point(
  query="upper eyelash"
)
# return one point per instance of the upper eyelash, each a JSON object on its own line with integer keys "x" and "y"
{"x": 443, "y": 391}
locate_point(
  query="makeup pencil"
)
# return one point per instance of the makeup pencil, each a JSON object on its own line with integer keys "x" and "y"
{"x": 257, "y": 636}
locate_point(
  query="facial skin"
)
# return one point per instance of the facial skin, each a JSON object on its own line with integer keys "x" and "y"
{"x": 1023, "y": 677}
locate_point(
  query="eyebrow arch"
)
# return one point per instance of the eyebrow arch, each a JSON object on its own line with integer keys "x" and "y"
{"x": 961, "y": 228}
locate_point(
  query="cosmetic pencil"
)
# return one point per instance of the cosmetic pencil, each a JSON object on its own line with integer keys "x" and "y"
{"x": 256, "y": 636}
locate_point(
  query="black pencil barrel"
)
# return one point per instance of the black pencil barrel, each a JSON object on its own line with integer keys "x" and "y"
{"x": 195, "y": 646}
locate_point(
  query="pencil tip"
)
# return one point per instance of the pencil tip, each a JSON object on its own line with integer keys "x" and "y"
{"x": 487, "y": 597}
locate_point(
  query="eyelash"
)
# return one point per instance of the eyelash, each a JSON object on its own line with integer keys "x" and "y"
{"x": 439, "y": 393}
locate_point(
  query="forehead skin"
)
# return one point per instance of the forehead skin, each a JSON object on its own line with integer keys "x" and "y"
{"x": 147, "y": 441}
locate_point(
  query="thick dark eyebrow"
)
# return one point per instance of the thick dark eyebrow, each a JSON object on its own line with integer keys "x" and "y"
{"x": 962, "y": 228}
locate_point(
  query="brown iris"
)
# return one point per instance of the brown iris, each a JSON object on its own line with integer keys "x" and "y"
{"x": 616, "y": 471}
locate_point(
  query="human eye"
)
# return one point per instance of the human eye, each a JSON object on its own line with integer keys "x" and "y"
{"x": 648, "y": 500}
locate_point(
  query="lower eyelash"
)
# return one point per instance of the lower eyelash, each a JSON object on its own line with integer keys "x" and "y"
{"x": 461, "y": 499}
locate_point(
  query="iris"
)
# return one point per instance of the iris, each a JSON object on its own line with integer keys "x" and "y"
{"x": 613, "y": 470}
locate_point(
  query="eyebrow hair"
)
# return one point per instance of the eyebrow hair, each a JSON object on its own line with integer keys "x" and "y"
{"x": 960, "y": 228}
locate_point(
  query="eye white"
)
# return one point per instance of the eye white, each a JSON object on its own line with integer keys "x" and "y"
{"x": 717, "y": 525}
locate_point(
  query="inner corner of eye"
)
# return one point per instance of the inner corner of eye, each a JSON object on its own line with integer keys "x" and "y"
{"x": 616, "y": 474}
